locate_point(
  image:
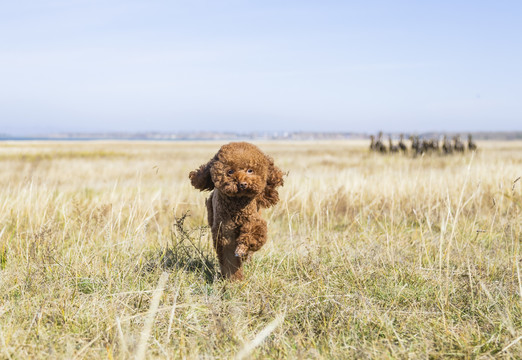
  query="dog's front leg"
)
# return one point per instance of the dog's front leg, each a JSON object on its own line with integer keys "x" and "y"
{"x": 230, "y": 264}
{"x": 252, "y": 236}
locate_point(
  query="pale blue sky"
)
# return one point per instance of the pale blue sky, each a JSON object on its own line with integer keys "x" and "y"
{"x": 71, "y": 65}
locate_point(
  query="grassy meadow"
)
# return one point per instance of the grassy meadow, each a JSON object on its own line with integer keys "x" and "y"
{"x": 104, "y": 253}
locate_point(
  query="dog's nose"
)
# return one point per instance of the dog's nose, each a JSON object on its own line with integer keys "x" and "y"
{"x": 243, "y": 185}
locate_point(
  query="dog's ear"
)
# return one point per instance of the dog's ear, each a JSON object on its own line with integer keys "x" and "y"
{"x": 200, "y": 178}
{"x": 274, "y": 178}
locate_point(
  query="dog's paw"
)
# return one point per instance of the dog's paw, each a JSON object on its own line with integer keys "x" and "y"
{"x": 241, "y": 250}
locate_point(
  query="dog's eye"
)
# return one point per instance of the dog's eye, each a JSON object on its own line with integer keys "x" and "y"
{"x": 250, "y": 171}
{"x": 230, "y": 172}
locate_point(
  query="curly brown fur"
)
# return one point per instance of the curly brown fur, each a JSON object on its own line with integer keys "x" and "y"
{"x": 243, "y": 180}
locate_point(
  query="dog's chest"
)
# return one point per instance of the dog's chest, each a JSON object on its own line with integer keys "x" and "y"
{"x": 229, "y": 214}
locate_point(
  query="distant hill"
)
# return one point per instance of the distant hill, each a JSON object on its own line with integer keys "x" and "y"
{"x": 208, "y": 135}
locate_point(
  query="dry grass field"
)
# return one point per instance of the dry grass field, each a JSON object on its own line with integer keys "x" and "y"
{"x": 369, "y": 256}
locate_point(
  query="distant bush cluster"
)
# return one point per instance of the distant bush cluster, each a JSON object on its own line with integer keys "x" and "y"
{"x": 418, "y": 146}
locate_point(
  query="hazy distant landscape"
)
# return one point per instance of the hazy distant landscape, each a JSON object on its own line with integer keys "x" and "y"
{"x": 267, "y": 135}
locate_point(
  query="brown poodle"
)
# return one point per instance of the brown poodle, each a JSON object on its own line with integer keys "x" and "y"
{"x": 244, "y": 181}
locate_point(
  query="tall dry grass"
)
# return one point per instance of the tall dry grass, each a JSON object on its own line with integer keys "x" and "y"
{"x": 369, "y": 256}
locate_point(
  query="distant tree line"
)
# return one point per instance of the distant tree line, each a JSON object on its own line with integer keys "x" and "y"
{"x": 422, "y": 145}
